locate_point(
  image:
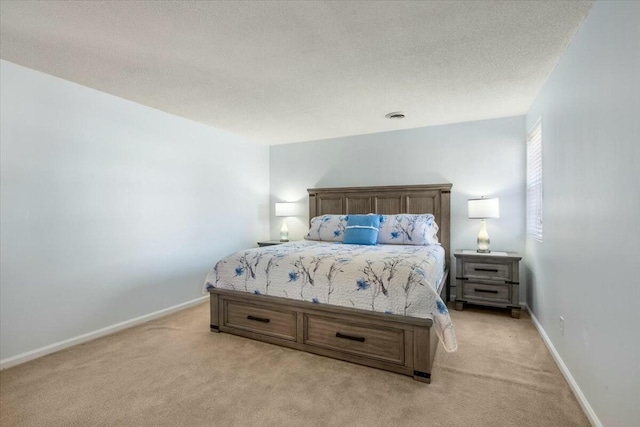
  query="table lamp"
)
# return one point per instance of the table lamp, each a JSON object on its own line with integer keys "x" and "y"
{"x": 285, "y": 209}
{"x": 482, "y": 209}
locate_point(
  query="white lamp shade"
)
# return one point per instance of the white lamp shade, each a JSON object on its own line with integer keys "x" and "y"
{"x": 286, "y": 209}
{"x": 484, "y": 208}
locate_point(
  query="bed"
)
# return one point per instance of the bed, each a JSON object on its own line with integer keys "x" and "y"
{"x": 329, "y": 299}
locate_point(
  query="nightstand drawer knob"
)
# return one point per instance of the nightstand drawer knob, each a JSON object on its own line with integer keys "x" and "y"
{"x": 493, "y": 270}
{"x": 488, "y": 291}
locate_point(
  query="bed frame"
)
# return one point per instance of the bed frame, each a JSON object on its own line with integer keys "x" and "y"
{"x": 402, "y": 344}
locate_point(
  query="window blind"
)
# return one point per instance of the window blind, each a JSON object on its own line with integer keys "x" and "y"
{"x": 534, "y": 181}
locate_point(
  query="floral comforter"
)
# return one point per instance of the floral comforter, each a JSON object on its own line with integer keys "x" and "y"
{"x": 395, "y": 279}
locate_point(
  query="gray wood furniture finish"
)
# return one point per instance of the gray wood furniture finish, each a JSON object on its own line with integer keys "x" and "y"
{"x": 270, "y": 243}
{"x": 401, "y": 344}
{"x": 488, "y": 279}
{"x": 415, "y": 199}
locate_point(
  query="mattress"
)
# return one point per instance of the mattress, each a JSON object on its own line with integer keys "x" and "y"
{"x": 392, "y": 279}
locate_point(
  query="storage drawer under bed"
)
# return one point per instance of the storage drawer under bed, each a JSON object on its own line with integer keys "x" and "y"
{"x": 266, "y": 321}
{"x": 381, "y": 343}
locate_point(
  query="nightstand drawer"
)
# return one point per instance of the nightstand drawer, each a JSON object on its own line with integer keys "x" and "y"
{"x": 277, "y": 323}
{"x": 486, "y": 292}
{"x": 487, "y": 271}
{"x": 488, "y": 279}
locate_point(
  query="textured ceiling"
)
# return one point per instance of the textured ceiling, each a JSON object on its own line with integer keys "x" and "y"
{"x": 278, "y": 72}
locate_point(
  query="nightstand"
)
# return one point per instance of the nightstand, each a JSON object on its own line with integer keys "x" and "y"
{"x": 488, "y": 279}
{"x": 270, "y": 243}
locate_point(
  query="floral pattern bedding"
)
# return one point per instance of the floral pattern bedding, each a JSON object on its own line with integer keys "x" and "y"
{"x": 394, "y": 279}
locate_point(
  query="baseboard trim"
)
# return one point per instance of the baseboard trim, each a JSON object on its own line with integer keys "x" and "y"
{"x": 582, "y": 400}
{"x": 61, "y": 345}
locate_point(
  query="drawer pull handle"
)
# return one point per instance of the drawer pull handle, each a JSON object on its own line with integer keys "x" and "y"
{"x": 349, "y": 337}
{"x": 487, "y": 269}
{"x": 488, "y": 291}
{"x": 258, "y": 319}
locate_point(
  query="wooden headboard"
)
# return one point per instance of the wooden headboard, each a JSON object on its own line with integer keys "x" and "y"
{"x": 416, "y": 199}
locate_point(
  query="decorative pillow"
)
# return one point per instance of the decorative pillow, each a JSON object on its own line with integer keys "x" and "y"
{"x": 362, "y": 230}
{"x": 408, "y": 229}
{"x": 328, "y": 228}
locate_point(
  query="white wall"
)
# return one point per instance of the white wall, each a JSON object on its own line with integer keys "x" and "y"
{"x": 480, "y": 158}
{"x": 586, "y": 268}
{"x": 111, "y": 210}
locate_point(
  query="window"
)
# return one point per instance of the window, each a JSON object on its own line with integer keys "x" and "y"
{"x": 534, "y": 181}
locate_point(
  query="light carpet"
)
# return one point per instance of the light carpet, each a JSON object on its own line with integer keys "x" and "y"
{"x": 175, "y": 372}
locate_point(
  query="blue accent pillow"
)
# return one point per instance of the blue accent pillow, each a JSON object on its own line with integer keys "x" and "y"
{"x": 362, "y": 230}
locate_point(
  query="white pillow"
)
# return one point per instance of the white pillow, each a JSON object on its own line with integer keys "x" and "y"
{"x": 408, "y": 229}
{"x": 328, "y": 228}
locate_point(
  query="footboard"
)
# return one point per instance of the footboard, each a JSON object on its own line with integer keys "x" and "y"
{"x": 401, "y": 344}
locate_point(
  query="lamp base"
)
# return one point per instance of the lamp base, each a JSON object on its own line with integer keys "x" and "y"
{"x": 284, "y": 231}
{"x": 483, "y": 239}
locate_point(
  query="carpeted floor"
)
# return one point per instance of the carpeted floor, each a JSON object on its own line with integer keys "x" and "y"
{"x": 174, "y": 372}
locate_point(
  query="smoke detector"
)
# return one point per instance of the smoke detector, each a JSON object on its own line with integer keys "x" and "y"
{"x": 395, "y": 115}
